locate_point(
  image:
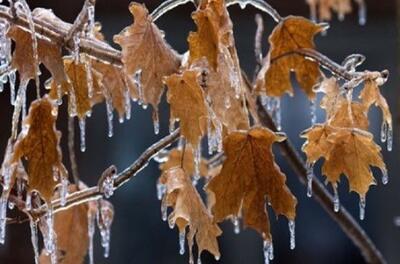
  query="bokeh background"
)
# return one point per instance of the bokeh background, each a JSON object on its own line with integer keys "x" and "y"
{"x": 138, "y": 233}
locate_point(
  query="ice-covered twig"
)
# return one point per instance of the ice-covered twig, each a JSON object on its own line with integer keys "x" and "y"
{"x": 260, "y": 5}
{"x": 166, "y": 6}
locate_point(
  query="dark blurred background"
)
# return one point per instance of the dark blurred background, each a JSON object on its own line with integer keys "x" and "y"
{"x": 138, "y": 233}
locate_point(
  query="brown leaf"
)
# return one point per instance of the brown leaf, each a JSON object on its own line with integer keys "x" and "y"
{"x": 249, "y": 179}
{"x": 38, "y": 145}
{"x": 187, "y": 102}
{"x": 71, "y": 228}
{"x": 323, "y": 8}
{"x": 49, "y": 53}
{"x": 174, "y": 159}
{"x": 189, "y": 210}
{"x": 144, "y": 48}
{"x": 77, "y": 87}
{"x": 346, "y": 151}
{"x": 371, "y": 95}
{"x": 212, "y": 49}
{"x": 291, "y": 34}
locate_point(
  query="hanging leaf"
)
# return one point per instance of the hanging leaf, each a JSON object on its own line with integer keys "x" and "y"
{"x": 187, "y": 102}
{"x": 38, "y": 145}
{"x": 346, "y": 151}
{"x": 49, "y": 53}
{"x": 69, "y": 225}
{"x": 323, "y": 8}
{"x": 145, "y": 50}
{"x": 186, "y": 162}
{"x": 249, "y": 180}
{"x": 190, "y": 211}
{"x": 77, "y": 88}
{"x": 291, "y": 34}
{"x": 212, "y": 49}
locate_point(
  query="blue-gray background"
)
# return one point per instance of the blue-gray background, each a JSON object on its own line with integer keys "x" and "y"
{"x": 138, "y": 233}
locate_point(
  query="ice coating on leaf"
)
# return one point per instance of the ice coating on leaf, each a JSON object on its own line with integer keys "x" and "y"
{"x": 236, "y": 225}
{"x": 250, "y": 164}
{"x": 268, "y": 250}
{"x": 189, "y": 211}
{"x": 144, "y": 48}
{"x": 34, "y": 240}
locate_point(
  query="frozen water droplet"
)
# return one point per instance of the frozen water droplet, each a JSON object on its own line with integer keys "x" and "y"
{"x": 137, "y": 79}
{"x": 362, "y": 12}
{"x": 385, "y": 176}
{"x": 11, "y": 205}
{"x": 236, "y": 225}
{"x": 336, "y": 201}
{"x": 310, "y": 176}
{"x": 182, "y": 236}
{"x": 82, "y": 129}
{"x": 227, "y": 102}
{"x": 268, "y": 251}
{"x": 292, "y": 234}
{"x": 313, "y": 111}
{"x": 362, "y": 205}
{"x": 164, "y": 211}
{"x": 3, "y": 216}
{"x": 199, "y": 259}
{"x": 63, "y": 191}
{"x": 34, "y": 240}
{"x": 161, "y": 189}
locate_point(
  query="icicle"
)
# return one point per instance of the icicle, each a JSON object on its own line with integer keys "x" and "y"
{"x": 389, "y": 138}
{"x": 156, "y": 122}
{"x": 34, "y": 240}
{"x": 19, "y": 102}
{"x": 171, "y": 125}
{"x": 137, "y": 78}
{"x": 313, "y": 111}
{"x": 164, "y": 211}
{"x": 197, "y": 161}
{"x": 63, "y": 191}
{"x": 384, "y": 129}
{"x": 12, "y": 79}
{"x": 199, "y": 259}
{"x": 236, "y": 225}
{"x": 385, "y": 176}
{"x": 75, "y": 52}
{"x": 105, "y": 219}
{"x": 110, "y": 115}
{"x": 82, "y": 129}
{"x": 336, "y": 201}
{"x": 182, "y": 236}
{"x": 277, "y": 111}
{"x": 49, "y": 236}
{"x": 89, "y": 76}
{"x": 91, "y": 19}
{"x": 128, "y": 106}
{"x": 91, "y": 230}
{"x": 292, "y": 234}
{"x": 161, "y": 189}
{"x": 362, "y": 205}
{"x": 3, "y": 216}
{"x": 28, "y": 201}
{"x": 362, "y": 12}
{"x": 310, "y": 176}
{"x": 268, "y": 251}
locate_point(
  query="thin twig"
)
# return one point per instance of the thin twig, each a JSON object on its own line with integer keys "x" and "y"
{"x": 80, "y": 20}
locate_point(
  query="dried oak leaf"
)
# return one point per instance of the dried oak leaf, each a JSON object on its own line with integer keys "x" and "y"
{"x": 187, "y": 103}
{"x": 212, "y": 48}
{"x": 249, "y": 179}
{"x": 77, "y": 87}
{"x": 174, "y": 159}
{"x": 144, "y": 49}
{"x": 346, "y": 151}
{"x": 38, "y": 145}
{"x": 189, "y": 210}
{"x": 371, "y": 95}
{"x": 49, "y": 53}
{"x": 71, "y": 228}
{"x": 291, "y": 34}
